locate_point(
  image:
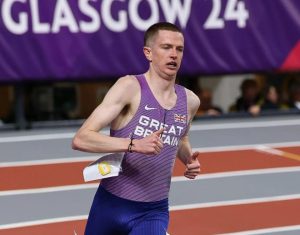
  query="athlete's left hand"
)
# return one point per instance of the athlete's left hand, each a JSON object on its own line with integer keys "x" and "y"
{"x": 192, "y": 167}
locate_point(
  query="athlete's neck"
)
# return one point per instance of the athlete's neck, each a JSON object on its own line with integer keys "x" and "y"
{"x": 163, "y": 90}
{"x": 159, "y": 84}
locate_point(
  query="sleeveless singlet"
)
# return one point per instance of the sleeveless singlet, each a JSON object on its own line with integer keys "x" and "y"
{"x": 147, "y": 178}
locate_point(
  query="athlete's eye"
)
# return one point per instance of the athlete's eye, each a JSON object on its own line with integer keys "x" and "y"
{"x": 180, "y": 49}
{"x": 166, "y": 47}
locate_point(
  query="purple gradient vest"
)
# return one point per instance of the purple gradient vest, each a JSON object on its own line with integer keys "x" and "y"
{"x": 147, "y": 178}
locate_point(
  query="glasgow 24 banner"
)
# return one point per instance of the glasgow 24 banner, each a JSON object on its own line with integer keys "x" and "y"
{"x": 82, "y": 39}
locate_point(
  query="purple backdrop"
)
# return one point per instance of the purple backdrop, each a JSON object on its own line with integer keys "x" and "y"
{"x": 82, "y": 39}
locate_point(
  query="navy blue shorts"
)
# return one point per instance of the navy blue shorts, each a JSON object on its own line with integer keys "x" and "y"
{"x": 112, "y": 215}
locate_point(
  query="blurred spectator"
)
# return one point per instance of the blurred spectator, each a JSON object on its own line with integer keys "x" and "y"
{"x": 249, "y": 99}
{"x": 206, "y": 104}
{"x": 294, "y": 94}
{"x": 271, "y": 98}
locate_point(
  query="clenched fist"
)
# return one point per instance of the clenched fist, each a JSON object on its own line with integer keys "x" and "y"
{"x": 192, "y": 167}
{"x": 151, "y": 144}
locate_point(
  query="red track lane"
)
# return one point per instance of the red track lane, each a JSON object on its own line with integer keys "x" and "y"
{"x": 204, "y": 221}
{"x": 49, "y": 229}
{"x": 51, "y": 175}
{"x": 226, "y": 219}
{"x": 38, "y": 176}
{"x": 294, "y": 150}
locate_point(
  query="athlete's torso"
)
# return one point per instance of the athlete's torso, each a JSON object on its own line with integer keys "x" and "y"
{"x": 147, "y": 177}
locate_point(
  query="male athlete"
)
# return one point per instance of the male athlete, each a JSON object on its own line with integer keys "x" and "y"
{"x": 149, "y": 116}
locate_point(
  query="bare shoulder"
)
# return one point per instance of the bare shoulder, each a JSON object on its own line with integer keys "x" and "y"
{"x": 124, "y": 89}
{"x": 193, "y": 102}
{"x": 123, "y": 93}
{"x": 128, "y": 81}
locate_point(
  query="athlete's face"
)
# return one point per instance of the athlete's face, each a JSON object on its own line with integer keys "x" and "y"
{"x": 165, "y": 53}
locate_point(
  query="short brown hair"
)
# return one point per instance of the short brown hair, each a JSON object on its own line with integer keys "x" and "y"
{"x": 153, "y": 30}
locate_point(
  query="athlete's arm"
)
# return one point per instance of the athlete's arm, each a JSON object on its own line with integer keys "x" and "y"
{"x": 185, "y": 154}
{"x": 89, "y": 138}
{"x": 119, "y": 99}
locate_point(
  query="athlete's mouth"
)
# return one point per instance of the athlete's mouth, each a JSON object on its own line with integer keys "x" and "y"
{"x": 172, "y": 64}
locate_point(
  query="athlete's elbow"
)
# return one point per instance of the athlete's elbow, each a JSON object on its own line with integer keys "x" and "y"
{"x": 77, "y": 142}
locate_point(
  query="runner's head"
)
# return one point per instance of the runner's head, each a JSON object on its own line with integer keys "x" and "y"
{"x": 153, "y": 30}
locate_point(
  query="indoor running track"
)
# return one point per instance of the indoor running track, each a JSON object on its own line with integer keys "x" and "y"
{"x": 249, "y": 182}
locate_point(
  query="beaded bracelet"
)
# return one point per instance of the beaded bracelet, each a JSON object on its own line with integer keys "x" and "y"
{"x": 130, "y": 145}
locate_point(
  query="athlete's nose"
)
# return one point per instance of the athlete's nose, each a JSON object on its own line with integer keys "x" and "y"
{"x": 174, "y": 53}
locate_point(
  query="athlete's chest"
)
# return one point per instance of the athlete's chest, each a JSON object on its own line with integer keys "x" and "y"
{"x": 152, "y": 118}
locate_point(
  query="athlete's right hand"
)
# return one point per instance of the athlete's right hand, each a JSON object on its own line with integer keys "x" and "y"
{"x": 151, "y": 144}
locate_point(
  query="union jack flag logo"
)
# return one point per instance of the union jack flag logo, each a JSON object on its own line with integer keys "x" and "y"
{"x": 180, "y": 118}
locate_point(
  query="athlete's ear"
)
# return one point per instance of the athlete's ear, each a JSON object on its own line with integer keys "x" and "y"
{"x": 147, "y": 53}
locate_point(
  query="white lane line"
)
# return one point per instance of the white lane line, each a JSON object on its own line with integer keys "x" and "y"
{"x": 246, "y": 147}
{"x": 172, "y": 208}
{"x": 48, "y": 189}
{"x": 43, "y": 222}
{"x": 235, "y": 202}
{"x": 274, "y": 170}
{"x": 242, "y": 125}
{"x": 38, "y": 137}
{"x": 267, "y": 149}
{"x": 174, "y": 179}
{"x": 194, "y": 127}
{"x": 56, "y": 160}
{"x": 266, "y": 230}
{"x": 50, "y": 161}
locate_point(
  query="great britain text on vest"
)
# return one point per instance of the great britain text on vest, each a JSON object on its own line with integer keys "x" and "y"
{"x": 148, "y": 125}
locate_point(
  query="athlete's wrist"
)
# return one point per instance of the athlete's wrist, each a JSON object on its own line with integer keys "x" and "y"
{"x": 130, "y": 145}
